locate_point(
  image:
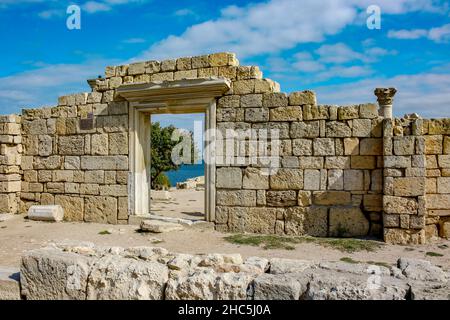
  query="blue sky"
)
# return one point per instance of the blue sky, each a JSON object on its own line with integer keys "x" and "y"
{"x": 310, "y": 44}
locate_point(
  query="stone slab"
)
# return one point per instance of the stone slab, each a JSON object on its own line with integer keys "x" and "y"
{"x": 54, "y": 213}
{"x": 160, "y": 226}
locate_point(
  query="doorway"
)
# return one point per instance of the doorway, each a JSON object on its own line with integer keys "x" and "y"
{"x": 178, "y": 184}
{"x": 168, "y": 97}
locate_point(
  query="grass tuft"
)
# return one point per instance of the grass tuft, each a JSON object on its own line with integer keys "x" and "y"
{"x": 288, "y": 243}
{"x": 349, "y": 260}
{"x": 104, "y": 232}
{"x": 434, "y": 254}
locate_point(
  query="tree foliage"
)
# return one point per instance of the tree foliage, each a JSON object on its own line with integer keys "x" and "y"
{"x": 161, "y": 153}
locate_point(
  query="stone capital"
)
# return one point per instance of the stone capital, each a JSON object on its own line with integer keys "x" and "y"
{"x": 385, "y": 95}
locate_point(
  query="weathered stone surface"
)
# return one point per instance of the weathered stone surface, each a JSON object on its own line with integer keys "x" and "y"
{"x": 101, "y": 209}
{"x": 49, "y": 274}
{"x": 286, "y": 179}
{"x": 278, "y": 287}
{"x": 422, "y": 270}
{"x": 229, "y": 178}
{"x": 253, "y": 178}
{"x": 73, "y": 207}
{"x": 156, "y": 226}
{"x": 116, "y": 278}
{"x": 300, "y": 98}
{"x": 309, "y": 129}
{"x": 399, "y": 205}
{"x": 311, "y": 179}
{"x": 46, "y": 213}
{"x": 348, "y": 222}
{"x": 280, "y": 265}
{"x": 246, "y": 198}
{"x": 331, "y": 198}
{"x": 9, "y": 284}
{"x": 409, "y": 187}
{"x": 281, "y": 198}
{"x": 290, "y": 113}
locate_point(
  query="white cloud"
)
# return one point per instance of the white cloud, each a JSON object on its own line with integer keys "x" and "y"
{"x": 94, "y": 6}
{"x": 338, "y": 53}
{"x": 438, "y": 34}
{"x": 427, "y": 94}
{"x": 42, "y": 86}
{"x": 274, "y": 26}
{"x": 48, "y": 14}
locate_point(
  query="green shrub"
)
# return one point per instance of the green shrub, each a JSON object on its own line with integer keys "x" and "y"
{"x": 162, "y": 182}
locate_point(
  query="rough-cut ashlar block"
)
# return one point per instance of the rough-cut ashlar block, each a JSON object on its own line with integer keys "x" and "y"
{"x": 46, "y": 213}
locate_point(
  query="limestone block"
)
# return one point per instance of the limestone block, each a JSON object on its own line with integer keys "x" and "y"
{"x": 281, "y": 198}
{"x": 253, "y": 178}
{"x": 272, "y": 100}
{"x": 286, "y": 179}
{"x": 337, "y": 163}
{"x": 353, "y": 180}
{"x": 244, "y": 87}
{"x": 278, "y": 287}
{"x": 368, "y": 111}
{"x": 72, "y": 163}
{"x": 338, "y": 129}
{"x": 71, "y": 145}
{"x": 229, "y": 178}
{"x": 443, "y": 185}
{"x": 351, "y": 146}
{"x": 309, "y": 129}
{"x": 157, "y": 226}
{"x": 417, "y": 222}
{"x": 251, "y": 101}
{"x": 399, "y": 205}
{"x": 363, "y": 162}
{"x": 437, "y": 201}
{"x": 314, "y": 112}
{"x": 310, "y": 162}
{"x": 185, "y": 74}
{"x": 371, "y": 147}
{"x": 289, "y": 162}
{"x": 232, "y": 101}
{"x": 290, "y": 113}
{"x": 327, "y": 198}
{"x": 443, "y": 161}
{"x": 114, "y": 190}
{"x": 244, "y": 198}
{"x": 312, "y": 179}
{"x": 117, "y": 278}
{"x": 104, "y": 163}
{"x": 409, "y": 186}
{"x": 397, "y": 162}
{"x": 433, "y": 144}
{"x": 62, "y": 176}
{"x": 302, "y": 147}
{"x": 304, "y": 198}
{"x": 72, "y": 188}
{"x": 73, "y": 207}
{"x": 90, "y": 189}
{"x": 168, "y": 65}
{"x": 163, "y": 76}
{"x": 336, "y": 179}
{"x": 50, "y": 274}
{"x": 256, "y": 114}
{"x": 401, "y": 236}
{"x": 46, "y": 213}
{"x": 444, "y": 231}
{"x": 324, "y": 147}
{"x": 348, "y": 112}
{"x": 118, "y": 143}
{"x": 115, "y": 82}
{"x": 262, "y": 220}
{"x": 136, "y": 68}
{"x": 300, "y": 98}
{"x": 249, "y": 72}
{"x": 404, "y": 145}
{"x": 361, "y": 127}
{"x": 113, "y": 123}
{"x": 100, "y": 209}
{"x": 223, "y": 59}
{"x": 208, "y": 72}
{"x": 38, "y": 126}
{"x": 391, "y": 220}
{"x": 348, "y": 222}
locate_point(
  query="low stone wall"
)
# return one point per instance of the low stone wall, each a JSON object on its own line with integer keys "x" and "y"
{"x": 10, "y": 160}
{"x": 82, "y": 271}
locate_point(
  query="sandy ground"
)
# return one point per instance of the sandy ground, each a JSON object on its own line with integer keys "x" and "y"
{"x": 18, "y": 235}
{"x": 185, "y": 204}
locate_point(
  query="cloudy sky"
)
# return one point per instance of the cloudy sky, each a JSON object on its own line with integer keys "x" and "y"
{"x": 303, "y": 44}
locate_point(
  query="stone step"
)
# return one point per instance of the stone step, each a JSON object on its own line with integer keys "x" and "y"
{"x": 157, "y": 226}
{"x": 9, "y": 284}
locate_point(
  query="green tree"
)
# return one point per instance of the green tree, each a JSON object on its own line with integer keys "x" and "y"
{"x": 161, "y": 153}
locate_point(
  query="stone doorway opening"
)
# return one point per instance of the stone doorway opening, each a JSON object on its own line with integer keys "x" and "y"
{"x": 169, "y": 97}
{"x": 178, "y": 193}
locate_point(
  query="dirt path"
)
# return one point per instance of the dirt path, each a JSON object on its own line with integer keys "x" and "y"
{"x": 18, "y": 235}
{"x": 185, "y": 204}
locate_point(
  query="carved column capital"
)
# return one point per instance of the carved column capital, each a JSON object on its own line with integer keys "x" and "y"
{"x": 385, "y": 98}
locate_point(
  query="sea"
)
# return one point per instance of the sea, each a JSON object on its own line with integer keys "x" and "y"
{"x": 186, "y": 171}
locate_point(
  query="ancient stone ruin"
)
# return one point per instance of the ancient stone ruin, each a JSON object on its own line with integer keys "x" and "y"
{"x": 343, "y": 170}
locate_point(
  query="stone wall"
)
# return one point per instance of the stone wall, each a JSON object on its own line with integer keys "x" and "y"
{"x": 330, "y": 180}
{"x": 437, "y": 151}
{"x": 76, "y": 155}
{"x": 82, "y": 271}
{"x": 404, "y": 181}
{"x": 343, "y": 170}
{"x": 10, "y": 160}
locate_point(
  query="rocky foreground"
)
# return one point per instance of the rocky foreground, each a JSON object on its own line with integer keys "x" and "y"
{"x": 84, "y": 271}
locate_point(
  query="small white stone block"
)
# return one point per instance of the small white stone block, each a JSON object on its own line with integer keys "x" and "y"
{"x": 46, "y": 213}
{"x": 160, "y": 195}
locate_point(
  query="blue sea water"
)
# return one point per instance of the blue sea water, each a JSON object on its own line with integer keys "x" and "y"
{"x": 185, "y": 172}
